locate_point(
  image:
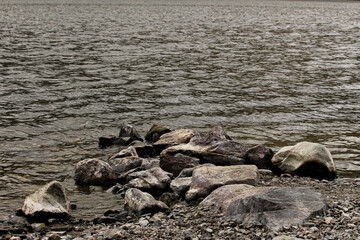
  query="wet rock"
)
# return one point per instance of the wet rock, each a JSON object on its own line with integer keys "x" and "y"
{"x": 155, "y": 132}
{"x": 306, "y": 159}
{"x": 151, "y": 180}
{"x": 144, "y": 150}
{"x": 127, "y": 152}
{"x": 107, "y": 141}
{"x": 50, "y": 201}
{"x": 176, "y": 163}
{"x": 94, "y": 172}
{"x": 205, "y": 179}
{"x": 260, "y": 156}
{"x": 139, "y": 202}
{"x": 129, "y": 134}
{"x": 180, "y": 185}
{"x": 121, "y": 165}
{"x": 276, "y": 208}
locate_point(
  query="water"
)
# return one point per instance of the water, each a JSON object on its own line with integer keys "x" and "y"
{"x": 271, "y": 72}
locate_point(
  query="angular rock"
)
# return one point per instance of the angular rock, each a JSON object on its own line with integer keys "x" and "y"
{"x": 50, "y": 201}
{"x": 205, "y": 179}
{"x": 276, "y": 208}
{"x": 127, "y": 152}
{"x": 94, "y": 172}
{"x": 215, "y": 135}
{"x": 121, "y": 165}
{"x": 107, "y": 141}
{"x": 260, "y": 156}
{"x": 139, "y": 202}
{"x": 146, "y": 163}
{"x": 150, "y": 180}
{"x": 176, "y": 163}
{"x": 176, "y": 137}
{"x": 155, "y": 132}
{"x": 129, "y": 134}
{"x": 180, "y": 185}
{"x": 143, "y": 149}
{"x": 306, "y": 159}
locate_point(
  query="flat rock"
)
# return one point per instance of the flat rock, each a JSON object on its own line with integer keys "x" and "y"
{"x": 139, "y": 202}
{"x": 276, "y": 208}
{"x": 306, "y": 159}
{"x": 122, "y": 165}
{"x": 50, "y": 201}
{"x": 205, "y": 179}
{"x": 150, "y": 180}
{"x": 94, "y": 172}
{"x": 176, "y": 137}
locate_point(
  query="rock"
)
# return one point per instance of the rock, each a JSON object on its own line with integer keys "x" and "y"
{"x": 284, "y": 237}
{"x": 169, "y": 198}
{"x": 127, "y": 152}
{"x": 94, "y": 172}
{"x": 176, "y": 163}
{"x": 306, "y": 159}
{"x": 139, "y": 202}
{"x": 205, "y": 179}
{"x": 215, "y": 135}
{"x": 143, "y": 222}
{"x": 180, "y": 185}
{"x": 143, "y": 149}
{"x": 175, "y": 137}
{"x": 121, "y": 165}
{"x": 146, "y": 163}
{"x": 259, "y": 156}
{"x": 276, "y": 208}
{"x": 151, "y": 180}
{"x": 155, "y": 132}
{"x": 50, "y": 201}
{"x": 108, "y": 141}
{"x": 129, "y": 133}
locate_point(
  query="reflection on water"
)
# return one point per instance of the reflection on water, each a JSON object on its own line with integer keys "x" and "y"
{"x": 271, "y": 72}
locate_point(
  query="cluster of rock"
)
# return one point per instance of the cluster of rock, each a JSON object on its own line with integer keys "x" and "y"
{"x": 213, "y": 170}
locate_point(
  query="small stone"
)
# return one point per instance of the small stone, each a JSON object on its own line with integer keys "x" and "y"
{"x": 143, "y": 223}
{"x": 209, "y": 230}
{"x": 355, "y": 220}
{"x": 54, "y": 237}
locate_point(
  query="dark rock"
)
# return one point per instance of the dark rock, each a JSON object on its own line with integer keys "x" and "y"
{"x": 276, "y": 208}
{"x": 104, "y": 220}
{"x": 259, "y": 156}
{"x": 306, "y": 159}
{"x": 108, "y": 141}
{"x": 50, "y": 201}
{"x": 129, "y": 134}
{"x": 176, "y": 163}
{"x": 169, "y": 198}
{"x": 151, "y": 180}
{"x": 215, "y": 135}
{"x": 156, "y": 130}
{"x": 138, "y": 202}
{"x": 94, "y": 172}
{"x": 205, "y": 179}
{"x": 144, "y": 150}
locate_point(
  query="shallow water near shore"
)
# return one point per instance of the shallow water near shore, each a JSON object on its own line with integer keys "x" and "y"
{"x": 271, "y": 72}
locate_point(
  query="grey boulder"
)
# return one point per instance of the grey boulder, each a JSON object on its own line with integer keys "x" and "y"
{"x": 50, "y": 201}
{"x": 180, "y": 185}
{"x": 94, "y": 172}
{"x": 306, "y": 159}
{"x": 138, "y": 202}
{"x": 205, "y": 179}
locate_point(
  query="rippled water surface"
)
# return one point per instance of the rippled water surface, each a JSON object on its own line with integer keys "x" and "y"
{"x": 270, "y": 72}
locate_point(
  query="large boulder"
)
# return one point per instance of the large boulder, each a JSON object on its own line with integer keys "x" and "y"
{"x": 260, "y": 156}
{"x": 155, "y": 132}
{"x": 205, "y": 179}
{"x": 139, "y": 202}
{"x": 306, "y": 159}
{"x": 176, "y": 163}
{"x": 94, "y": 172}
{"x": 273, "y": 207}
{"x": 50, "y": 201}
{"x": 151, "y": 180}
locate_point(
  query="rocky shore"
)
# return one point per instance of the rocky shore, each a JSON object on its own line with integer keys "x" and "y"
{"x": 181, "y": 185}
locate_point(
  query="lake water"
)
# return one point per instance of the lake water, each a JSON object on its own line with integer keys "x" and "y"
{"x": 271, "y": 72}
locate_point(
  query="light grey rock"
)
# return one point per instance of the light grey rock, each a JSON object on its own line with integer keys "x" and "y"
{"x": 150, "y": 180}
{"x": 205, "y": 179}
{"x": 94, "y": 172}
{"x": 122, "y": 165}
{"x": 276, "y": 208}
{"x": 139, "y": 202}
{"x": 176, "y": 137}
{"x": 180, "y": 185}
{"x": 50, "y": 201}
{"x": 306, "y": 159}
{"x": 127, "y": 152}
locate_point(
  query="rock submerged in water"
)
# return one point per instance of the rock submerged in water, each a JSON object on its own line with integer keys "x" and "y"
{"x": 205, "y": 179}
{"x": 50, "y": 201}
{"x": 94, "y": 172}
{"x": 306, "y": 159}
{"x": 139, "y": 202}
